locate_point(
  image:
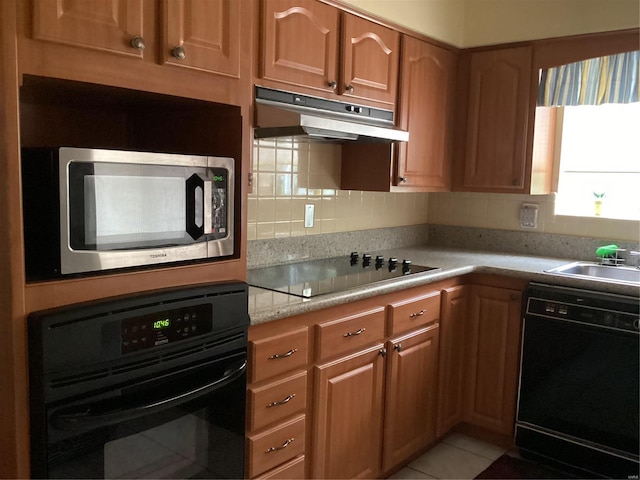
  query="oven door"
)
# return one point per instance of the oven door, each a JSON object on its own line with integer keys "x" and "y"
{"x": 580, "y": 382}
{"x": 189, "y": 424}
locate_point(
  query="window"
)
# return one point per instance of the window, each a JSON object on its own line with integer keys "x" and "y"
{"x": 599, "y": 161}
{"x": 597, "y": 121}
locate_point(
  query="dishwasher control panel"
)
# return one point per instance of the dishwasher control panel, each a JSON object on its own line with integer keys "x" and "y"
{"x": 571, "y": 305}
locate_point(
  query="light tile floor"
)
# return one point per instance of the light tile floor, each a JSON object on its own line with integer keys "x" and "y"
{"x": 458, "y": 456}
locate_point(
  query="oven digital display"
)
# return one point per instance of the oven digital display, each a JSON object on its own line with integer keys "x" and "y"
{"x": 160, "y": 324}
{"x": 148, "y": 331}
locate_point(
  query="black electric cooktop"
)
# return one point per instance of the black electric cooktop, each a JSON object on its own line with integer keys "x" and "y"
{"x": 331, "y": 275}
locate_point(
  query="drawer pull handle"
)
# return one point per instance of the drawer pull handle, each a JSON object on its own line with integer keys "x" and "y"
{"x": 283, "y": 355}
{"x": 418, "y": 314}
{"x": 360, "y": 331}
{"x": 284, "y": 445}
{"x": 285, "y": 400}
{"x": 398, "y": 347}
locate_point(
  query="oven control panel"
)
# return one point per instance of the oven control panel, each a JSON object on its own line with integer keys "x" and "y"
{"x": 148, "y": 331}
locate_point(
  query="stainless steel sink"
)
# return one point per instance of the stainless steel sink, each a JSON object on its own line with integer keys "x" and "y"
{"x": 600, "y": 272}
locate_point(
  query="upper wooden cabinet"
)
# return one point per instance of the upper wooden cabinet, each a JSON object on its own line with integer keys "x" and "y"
{"x": 203, "y": 34}
{"x": 499, "y": 121}
{"x": 426, "y": 111}
{"x": 200, "y": 34}
{"x": 108, "y": 25}
{"x": 370, "y": 55}
{"x": 303, "y": 49}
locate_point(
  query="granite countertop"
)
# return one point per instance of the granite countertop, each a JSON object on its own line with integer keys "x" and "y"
{"x": 265, "y": 305}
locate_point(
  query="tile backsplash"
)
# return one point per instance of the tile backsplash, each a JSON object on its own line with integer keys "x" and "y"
{"x": 292, "y": 172}
{"x": 289, "y": 173}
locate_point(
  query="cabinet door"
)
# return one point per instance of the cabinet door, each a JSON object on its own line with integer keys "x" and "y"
{"x": 498, "y": 119}
{"x": 107, "y": 25}
{"x": 493, "y": 347}
{"x": 348, "y": 416}
{"x": 410, "y": 411}
{"x": 451, "y": 365}
{"x": 426, "y": 111}
{"x": 207, "y": 32}
{"x": 370, "y": 57}
{"x": 300, "y": 43}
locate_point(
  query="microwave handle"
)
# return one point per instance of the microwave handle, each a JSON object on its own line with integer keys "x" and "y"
{"x": 198, "y": 225}
{"x": 80, "y": 419}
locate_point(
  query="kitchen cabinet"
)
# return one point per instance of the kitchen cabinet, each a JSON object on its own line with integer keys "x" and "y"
{"x": 497, "y": 120}
{"x": 451, "y": 376}
{"x": 277, "y": 403}
{"x": 411, "y": 395}
{"x": 348, "y": 415}
{"x": 493, "y": 345}
{"x": 426, "y": 112}
{"x": 200, "y": 34}
{"x": 311, "y": 47}
{"x": 114, "y": 26}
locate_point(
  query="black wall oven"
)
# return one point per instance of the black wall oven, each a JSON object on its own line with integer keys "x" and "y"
{"x": 150, "y": 386}
{"x": 579, "y": 389}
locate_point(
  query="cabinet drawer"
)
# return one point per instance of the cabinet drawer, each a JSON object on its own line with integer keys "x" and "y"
{"x": 277, "y": 400}
{"x": 349, "y": 333}
{"x": 414, "y": 312}
{"x": 278, "y": 354}
{"x": 291, "y": 470}
{"x": 275, "y": 446}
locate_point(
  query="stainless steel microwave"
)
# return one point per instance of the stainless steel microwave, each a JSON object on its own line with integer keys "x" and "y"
{"x": 89, "y": 210}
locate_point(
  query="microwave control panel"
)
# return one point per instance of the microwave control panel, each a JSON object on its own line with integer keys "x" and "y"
{"x": 153, "y": 330}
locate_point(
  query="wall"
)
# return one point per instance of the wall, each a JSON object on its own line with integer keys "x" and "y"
{"x": 290, "y": 173}
{"x": 439, "y": 19}
{"x": 469, "y": 23}
{"x": 502, "y": 21}
{"x": 502, "y": 211}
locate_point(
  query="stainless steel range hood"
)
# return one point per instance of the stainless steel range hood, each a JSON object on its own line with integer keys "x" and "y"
{"x": 280, "y": 113}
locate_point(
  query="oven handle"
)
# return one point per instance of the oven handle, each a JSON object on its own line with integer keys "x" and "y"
{"x": 82, "y": 417}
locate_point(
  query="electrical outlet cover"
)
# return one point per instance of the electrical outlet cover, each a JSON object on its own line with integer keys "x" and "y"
{"x": 309, "y": 210}
{"x": 529, "y": 215}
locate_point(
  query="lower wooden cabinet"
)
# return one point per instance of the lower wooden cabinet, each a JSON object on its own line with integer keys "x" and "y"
{"x": 493, "y": 346}
{"x": 411, "y": 388}
{"x": 355, "y": 391}
{"x": 348, "y": 415}
{"x": 276, "y": 445}
{"x": 451, "y": 376}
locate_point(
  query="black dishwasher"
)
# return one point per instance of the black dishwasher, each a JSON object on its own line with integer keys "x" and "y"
{"x": 145, "y": 386}
{"x": 579, "y": 394}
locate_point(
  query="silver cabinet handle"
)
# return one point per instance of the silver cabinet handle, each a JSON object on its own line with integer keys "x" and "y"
{"x": 349, "y": 88}
{"x": 283, "y": 355}
{"x": 403, "y": 179}
{"x": 137, "y": 42}
{"x": 287, "y": 442}
{"x": 360, "y": 331}
{"x": 398, "y": 347}
{"x": 418, "y": 314}
{"x": 284, "y": 401}
{"x": 383, "y": 352}
{"x": 178, "y": 52}
{"x": 333, "y": 85}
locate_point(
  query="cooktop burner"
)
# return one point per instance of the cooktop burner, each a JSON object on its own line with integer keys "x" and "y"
{"x": 331, "y": 275}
